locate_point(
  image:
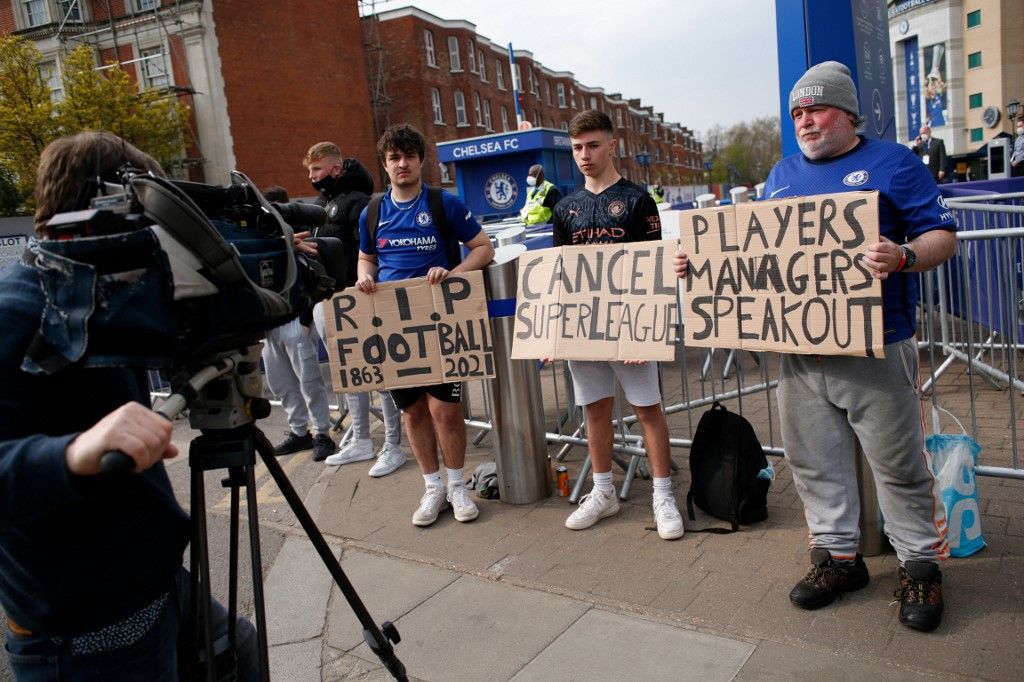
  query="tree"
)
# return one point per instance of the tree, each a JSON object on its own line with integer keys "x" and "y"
{"x": 94, "y": 99}
{"x": 27, "y": 123}
{"x": 745, "y": 153}
{"x": 107, "y": 99}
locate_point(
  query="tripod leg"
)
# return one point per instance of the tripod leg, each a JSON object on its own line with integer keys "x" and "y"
{"x": 233, "y": 566}
{"x": 199, "y": 597}
{"x": 379, "y": 639}
{"x": 257, "y": 568}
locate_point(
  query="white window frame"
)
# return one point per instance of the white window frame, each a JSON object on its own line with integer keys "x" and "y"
{"x": 79, "y": 10}
{"x": 517, "y": 78}
{"x": 478, "y": 110}
{"x": 560, "y": 93}
{"x": 481, "y": 64}
{"x": 34, "y": 12}
{"x": 149, "y": 57}
{"x": 428, "y": 43}
{"x": 471, "y": 55}
{"x": 145, "y": 5}
{"x": 460, "y": 109}
{"x": 49, "y": 72}
{"x": 533, "y": 82}
{"x": 504, "y": 119}
{"x": 618, "y": 117}
{"x": 622, "y": 146}
{"x": 488, "y": 124}
{"x": 454, "y": 60}
{"x": 593, "y": 102}
{"x": 499, "y": 74}
{"x": 435, "y": 102}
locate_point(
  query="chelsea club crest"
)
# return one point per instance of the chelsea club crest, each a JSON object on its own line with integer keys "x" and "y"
{"x": 856, "y": 178}
{"x": 501, "y": 191}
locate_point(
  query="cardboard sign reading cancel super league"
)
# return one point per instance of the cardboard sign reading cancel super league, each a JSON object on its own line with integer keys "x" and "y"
{"x": 409, "y": 333}
{"x": 600, "y": 302}
{"x": 784, "y": 276}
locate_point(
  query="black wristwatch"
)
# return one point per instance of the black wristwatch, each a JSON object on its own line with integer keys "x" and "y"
{"x": 909, "y": 258}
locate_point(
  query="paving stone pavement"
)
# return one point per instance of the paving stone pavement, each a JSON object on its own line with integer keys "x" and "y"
{"x": 515, "y": 595}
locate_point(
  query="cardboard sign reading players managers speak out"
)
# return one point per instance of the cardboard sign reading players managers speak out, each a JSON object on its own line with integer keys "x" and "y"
{"x": 601, "y": 302}
{"x": 784, "y": 276}
{"x": 409, "y": 333}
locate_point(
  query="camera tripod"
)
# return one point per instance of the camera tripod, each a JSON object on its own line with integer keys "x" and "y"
{"x": 224, "y": 400}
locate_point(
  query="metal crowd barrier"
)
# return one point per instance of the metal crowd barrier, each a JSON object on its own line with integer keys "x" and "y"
{"x": 971, "y": 334}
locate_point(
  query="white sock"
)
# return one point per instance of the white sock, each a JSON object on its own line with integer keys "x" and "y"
{"x": 454, "y": 477}
{"x": 433, "y": 480}
{"x": 603, "y": 482}
{"x": 662, "y": 487}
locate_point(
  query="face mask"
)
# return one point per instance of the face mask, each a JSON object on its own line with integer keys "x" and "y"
{"x": 326, "y": 185}
{"x": 1020, "y": 131}
{"x": 531, "y": 181}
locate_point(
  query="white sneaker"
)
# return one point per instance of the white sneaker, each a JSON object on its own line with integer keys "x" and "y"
{"x": 463, "y": 506}
{"x": 593, "y": 507}
{"x": 358, "y": 450}
{"x": 668, "y": 518}
{"x": 431, "y": 504}
{"x": 389, "y": 458}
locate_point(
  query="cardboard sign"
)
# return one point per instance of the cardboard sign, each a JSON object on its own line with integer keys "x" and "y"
{"x": 409, "y": 333}
{"x": 784, "y": 276}
{"x": 601, "y": 302}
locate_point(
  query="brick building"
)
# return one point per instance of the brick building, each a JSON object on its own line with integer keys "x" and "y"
{"x": 261, "y": 78}
{"x": 452, "y": 83}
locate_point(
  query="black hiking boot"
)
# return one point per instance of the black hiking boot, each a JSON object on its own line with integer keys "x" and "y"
{"x": 920, "y": 595}
{"x": 827, "y": 579}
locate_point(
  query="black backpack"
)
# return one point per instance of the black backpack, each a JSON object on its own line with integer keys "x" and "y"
{"x": 725, "y": 460}
{"x": 452, "y": 244}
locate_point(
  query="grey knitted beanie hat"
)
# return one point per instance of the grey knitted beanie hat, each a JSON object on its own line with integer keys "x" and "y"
{"x": 828, "y": 84}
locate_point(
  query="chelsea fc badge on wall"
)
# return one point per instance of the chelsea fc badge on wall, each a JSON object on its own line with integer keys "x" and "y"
{"x": 501, "y": 191}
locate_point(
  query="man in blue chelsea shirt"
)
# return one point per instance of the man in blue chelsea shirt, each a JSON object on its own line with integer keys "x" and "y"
{"x": 825, "y": 402}
{"x": 406, "y": 243}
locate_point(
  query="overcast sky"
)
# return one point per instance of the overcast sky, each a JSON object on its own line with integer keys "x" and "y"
{"x": 699, "y": 62}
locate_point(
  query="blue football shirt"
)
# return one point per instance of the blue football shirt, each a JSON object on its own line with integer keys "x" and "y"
{"x": 407, "y": 243}
{"x": 909, "y": 204}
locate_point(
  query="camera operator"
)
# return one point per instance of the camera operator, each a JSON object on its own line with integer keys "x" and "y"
{"x": 292, "y": 363}
{"x": 345, "y": 187}
{"x": 91, "y": 575}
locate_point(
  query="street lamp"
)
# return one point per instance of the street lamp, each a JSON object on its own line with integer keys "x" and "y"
{"x": 1012, "y": 109}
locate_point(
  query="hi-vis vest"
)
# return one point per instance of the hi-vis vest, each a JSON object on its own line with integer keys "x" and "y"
{"x": 534, "y": 212}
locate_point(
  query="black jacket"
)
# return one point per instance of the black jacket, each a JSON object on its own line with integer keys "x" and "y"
{"x": 343, "y": 206}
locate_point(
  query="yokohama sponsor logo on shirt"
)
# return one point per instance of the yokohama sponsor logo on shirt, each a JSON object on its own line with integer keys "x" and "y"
{"x": 418, "y": 242}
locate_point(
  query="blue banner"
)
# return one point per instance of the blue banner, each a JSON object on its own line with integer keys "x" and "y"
{"x": 502, "y": 143}
{"x": 913, "y": 80}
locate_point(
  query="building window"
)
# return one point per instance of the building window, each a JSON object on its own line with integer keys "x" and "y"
{"x": 533, "y": 82}
{"x": 428, "y": 42}
{"x": 618, "y": 117}
{"x": 35, "y": 13}
{"x": 487, "y": 114}
{"x": 483, "y": 67}
{"x": 471, "y": 56}
{"x": 572, "y": 97}
{"x": 974, "y": 18}
{"x": 446, "y": 174}
{"x": 536, "y": 118}
{"x": 70, "y": 11}
{"x": 593, "y": 102}
{"x": 517, "y": 78}
{"x": 560, "y": 91}
{"x": 622, "y": 147}
{"x": 565, "y": 125}
{"x": 975, "y": 101}
{"x": 154, "y": 68}
{"x": 478, "y": 110}
{"x": 547, "y": 93}
{"x": 499, "y": 73}
{"x": 435, "y": 102}
{"x": 974, "y": 60}
{"x": 504, "y": 119}
{"x": 146, "y": 5}
{"x": 977, "y": 134}
{"x": 460, "y": 109}
{"x": 453, "y": 54}
{"x": 49, "y": 73}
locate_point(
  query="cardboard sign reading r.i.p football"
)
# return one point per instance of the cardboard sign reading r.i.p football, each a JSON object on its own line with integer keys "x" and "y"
{"x": 599, "y": 302}
{"x": 409, "y": 333}
{"x": 784, "y": 276}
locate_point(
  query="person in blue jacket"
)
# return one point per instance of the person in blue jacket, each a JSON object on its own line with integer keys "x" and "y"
{"x": 91, "y": 575}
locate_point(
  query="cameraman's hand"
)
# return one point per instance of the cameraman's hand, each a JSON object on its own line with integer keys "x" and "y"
{"x": 137, "y": 431}
{"x": 304, "y": 246}
{"x": 366, "y": 284}
{"x": 436, "y": 274}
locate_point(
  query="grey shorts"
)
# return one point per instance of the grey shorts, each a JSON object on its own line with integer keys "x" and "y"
{"x": 593, "y": 381}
